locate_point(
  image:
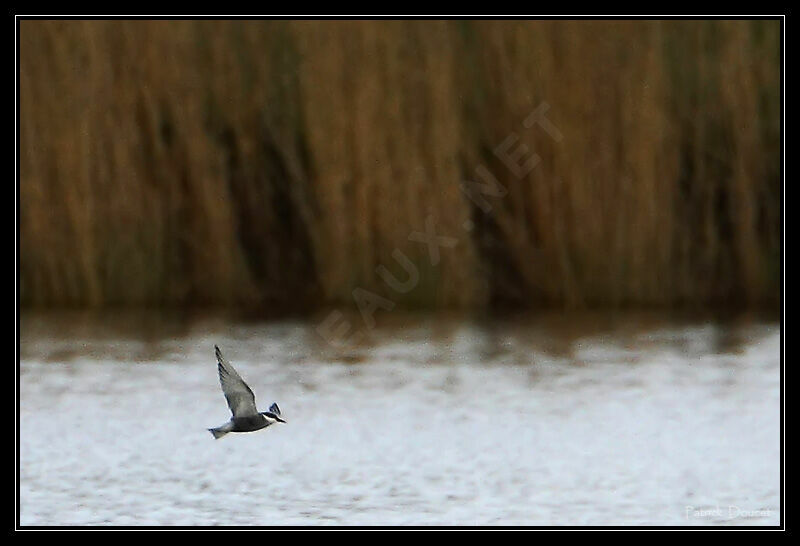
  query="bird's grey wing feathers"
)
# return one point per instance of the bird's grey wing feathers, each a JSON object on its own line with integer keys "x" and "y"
{"x": 240, "y": 398}
{"x": 275, "y": 409}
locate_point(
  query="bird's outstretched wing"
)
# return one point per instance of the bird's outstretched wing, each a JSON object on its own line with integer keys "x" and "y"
{"x": 275, "y": 409}
{"x": 240, "y": 398}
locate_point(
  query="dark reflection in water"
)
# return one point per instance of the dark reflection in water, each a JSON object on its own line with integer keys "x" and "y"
{"x": 554, "y": 333}
{"x": 552, "y": 418}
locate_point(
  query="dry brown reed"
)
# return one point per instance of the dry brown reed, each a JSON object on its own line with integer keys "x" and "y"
{"x": 278, "y": 163}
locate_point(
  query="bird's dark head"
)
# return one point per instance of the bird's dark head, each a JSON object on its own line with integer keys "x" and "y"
{"x": 272, "y": 416}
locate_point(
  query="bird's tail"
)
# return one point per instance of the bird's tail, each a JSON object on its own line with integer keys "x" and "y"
{"x": 218, "y": 432}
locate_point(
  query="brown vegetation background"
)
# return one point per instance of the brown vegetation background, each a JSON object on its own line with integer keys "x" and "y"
{"x": 278, "y": 163}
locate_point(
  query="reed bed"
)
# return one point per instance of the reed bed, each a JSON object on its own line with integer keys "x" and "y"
{"x": 283, "y": 164}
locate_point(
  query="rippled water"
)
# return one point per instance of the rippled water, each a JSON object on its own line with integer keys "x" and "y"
{"x": 546, "y": 420}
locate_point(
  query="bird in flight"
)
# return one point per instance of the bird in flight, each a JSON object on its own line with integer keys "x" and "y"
{"x": 242, "y": 401}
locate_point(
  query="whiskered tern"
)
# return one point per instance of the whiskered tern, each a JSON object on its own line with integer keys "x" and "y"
{"x": 242, "y": 401}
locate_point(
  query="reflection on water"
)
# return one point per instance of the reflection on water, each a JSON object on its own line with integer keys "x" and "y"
{"x": 428, "y": 420}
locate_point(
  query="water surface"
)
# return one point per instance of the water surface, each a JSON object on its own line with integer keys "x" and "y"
{"x": 428, "y": 420}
